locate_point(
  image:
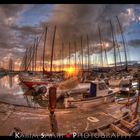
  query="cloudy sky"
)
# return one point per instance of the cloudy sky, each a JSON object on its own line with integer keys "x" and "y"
{"x": 21, "y": 23}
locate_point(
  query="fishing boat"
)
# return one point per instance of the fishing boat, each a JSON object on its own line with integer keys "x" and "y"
{"x": 95, "y": 92}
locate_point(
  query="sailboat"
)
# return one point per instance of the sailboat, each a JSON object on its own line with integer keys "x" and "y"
{"x": 45, "y": 77}
{"x": 116, "y": 81}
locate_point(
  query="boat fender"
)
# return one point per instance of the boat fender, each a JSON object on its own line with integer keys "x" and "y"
{"x": 42, "y": 90}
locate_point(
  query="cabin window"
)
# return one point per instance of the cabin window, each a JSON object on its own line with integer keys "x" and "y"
{"x": 102, "y": 86}
{"x": 125, "y": 85}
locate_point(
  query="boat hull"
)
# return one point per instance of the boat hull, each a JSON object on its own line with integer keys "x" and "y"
{"x": 32, "y": 84}
{"x": 92, "y": 101}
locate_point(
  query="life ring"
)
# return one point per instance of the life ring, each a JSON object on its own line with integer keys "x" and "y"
{"x": 92, "y": 119}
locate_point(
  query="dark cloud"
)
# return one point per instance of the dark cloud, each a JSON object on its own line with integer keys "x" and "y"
{"x": 27, "y": 30}
{"x": 72, "y": 21}
{"x": 75, "y": 20}
{"x": 9, "y": 14}
{"x": 134, "y": 43}
{"x": 11, "y": 9}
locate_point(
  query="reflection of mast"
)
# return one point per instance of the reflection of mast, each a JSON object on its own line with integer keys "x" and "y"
{"x": 113, "y": 43}
{"x": 123, "y": 43}
{"x": 10, "y": 81}
{"x": 27, "y": 100}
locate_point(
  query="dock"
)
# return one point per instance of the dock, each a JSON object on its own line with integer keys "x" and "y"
{"x": 36, "y": 121}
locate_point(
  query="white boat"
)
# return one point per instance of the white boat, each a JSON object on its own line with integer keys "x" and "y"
{"x": 100, "y": 94}
{"x": 101, "y": 88}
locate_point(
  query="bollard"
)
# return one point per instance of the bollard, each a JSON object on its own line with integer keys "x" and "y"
{"x": 52, "y": 99}
{"x": 51, "y": 107}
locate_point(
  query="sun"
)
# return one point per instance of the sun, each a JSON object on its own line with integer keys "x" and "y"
{"x": 71, "y": 70}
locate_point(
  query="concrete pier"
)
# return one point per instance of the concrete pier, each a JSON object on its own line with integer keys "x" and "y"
{"x": 36, "y": 121}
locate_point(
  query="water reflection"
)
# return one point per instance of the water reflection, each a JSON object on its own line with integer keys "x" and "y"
{"x": 10, "y": 81}
{"x": 9, "y": 85}
{"x": 12, "y": 91}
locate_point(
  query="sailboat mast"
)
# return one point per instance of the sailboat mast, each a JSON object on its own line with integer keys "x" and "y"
{"x": 113, "y": 43}
{"x": 123, "y": 43}
{"x": 82, "y": 50}
{"x": 52, "y": 51}
{"x": 36, "y": 47}
{"x": 62, "y": 56}
{"x": 44, "y": 49}
{"x": 101, "y": 46}
{"x": 118, "y": 51}
{"x": 88, "y": 52}
{"x": 106, "y": 55}
{"x": 29, "y": 57}
{"x": 34, "y": 54}
{"x": 33, "y": 59}
{"x": 75, "y": 52}
{"x": 69, "y": 54}
{"x": 60, "y": 59}
{"x": 10, "y": 64}
{"x": 40, "y": 63}
{"x": 25, "y": 60}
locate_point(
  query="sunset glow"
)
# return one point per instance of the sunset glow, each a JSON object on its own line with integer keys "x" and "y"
{"x": 71, "y": 71}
